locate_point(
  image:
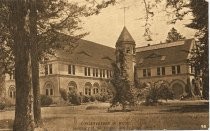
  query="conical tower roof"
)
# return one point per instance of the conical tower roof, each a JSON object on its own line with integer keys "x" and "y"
{"x": 125, "y": 36}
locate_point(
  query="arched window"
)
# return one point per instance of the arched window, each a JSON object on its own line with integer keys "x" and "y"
{"x": 95, "y": 88}
{"x": 88, "y": 87}
{"x": 49, "y": 89}
{"x": 103, "y": 88}
{"x": 72, "y": 86}
{"x": 12, "y": 92}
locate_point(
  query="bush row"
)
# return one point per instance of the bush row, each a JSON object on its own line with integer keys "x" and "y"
{"x": 5, "y": 102}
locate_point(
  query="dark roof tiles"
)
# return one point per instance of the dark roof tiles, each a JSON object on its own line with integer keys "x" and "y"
{"x": 89, "y": 54}
{"x": 164, "y": 56}
{"x": 125, "y": 36}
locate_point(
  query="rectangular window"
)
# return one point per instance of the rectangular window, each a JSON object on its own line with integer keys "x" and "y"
{"x": 163, "y": 71}
{"x": 46, "y": 69}
{"x": 158, "y": 71}
{"x": 88, "y": 71}
{"x": 89, "y": 91}
{"x": 173, "y": 70}
{"x": 47, "y": 93}
{"x": 13, "y": 74}
{"x": 50, "y": 69}
{"x": 86, "y": 91}
{"x": 178, "y": 69}
{"x": 73, "y": 69}
{"x": 51, "y": 92}
{"x": 148, "y": 72}
{"x": 10, "y": 93}
{"x": 128, "y": 50}
{"x": 192, "y": 69}
{"x": 104, "y": 73}
{"x": 107, "y": 73}
{"x": 85, "y": 71}
{"x": 69, "y": 69}
{"x": 10, "y": 76}
{"x": 144, "y": 72}
{"x": 96, "y": 72}
{"x": 101, "y": 72}
{"x": 110, "y": 73}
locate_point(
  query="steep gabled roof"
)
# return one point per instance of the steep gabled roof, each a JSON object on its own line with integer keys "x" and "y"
{"x": 88, "y": 53}
{"x": 160, "y": 55}
{"x": 125, "y": 36}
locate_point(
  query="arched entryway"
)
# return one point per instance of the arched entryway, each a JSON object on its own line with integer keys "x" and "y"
{"x": 178, "y": 88}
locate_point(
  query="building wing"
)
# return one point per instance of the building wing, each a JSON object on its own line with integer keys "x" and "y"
{"x": 87, "y": 53}
{"x": 164, "y": 54}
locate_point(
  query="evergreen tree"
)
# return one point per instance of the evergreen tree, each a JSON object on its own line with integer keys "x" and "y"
{"x": 173, "y": 35}
{"x": 200, "y": 56}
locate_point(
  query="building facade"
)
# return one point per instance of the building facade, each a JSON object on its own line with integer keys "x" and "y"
{"x": 88, "y": 68}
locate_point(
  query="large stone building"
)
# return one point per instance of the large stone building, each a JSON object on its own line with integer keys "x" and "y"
{"x": 89, "y": 67}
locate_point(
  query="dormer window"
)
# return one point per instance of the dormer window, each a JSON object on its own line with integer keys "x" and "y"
{"x": 163, "y": 57}
{"x": 141, "y": 60}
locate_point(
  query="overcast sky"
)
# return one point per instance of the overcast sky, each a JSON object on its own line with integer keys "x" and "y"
{"x": 106, "y": 27}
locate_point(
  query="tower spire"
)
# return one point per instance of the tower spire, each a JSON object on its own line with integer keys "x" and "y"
{"x": 124, "y": 9}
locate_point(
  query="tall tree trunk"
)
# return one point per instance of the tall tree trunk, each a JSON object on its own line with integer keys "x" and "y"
{"x": 35, "y": 63}
{"x": 23, "y": 115}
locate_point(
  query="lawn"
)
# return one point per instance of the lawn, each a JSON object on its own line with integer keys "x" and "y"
{"x": 172, "y": 115}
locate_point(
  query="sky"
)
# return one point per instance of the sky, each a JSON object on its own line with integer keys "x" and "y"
{"x": 106, "y": 27}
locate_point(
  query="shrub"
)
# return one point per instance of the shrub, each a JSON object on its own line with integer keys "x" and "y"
{"x": 92, "y": 107}
{"x": 158, "y": 91}
{"x": 74, "y": 98}
{"x": 164, "y": 92}
{"x": 152, "y": 96}
{"x": 64, "y": 94}
{"x": 86, "y": 99}
{"x": 6, "y": 102}
{"x": 103, "y": 97}
{"x": 2, "y": 106}
{"x": 92, "y": 98}
{"x": 46, "y": 100}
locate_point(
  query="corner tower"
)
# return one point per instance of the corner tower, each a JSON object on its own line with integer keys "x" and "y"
{"x": 126, "y": 44}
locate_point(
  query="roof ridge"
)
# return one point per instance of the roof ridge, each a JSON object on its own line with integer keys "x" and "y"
{"x": 162, "y": 45}
{"x": 97, "y": 43}
{"x": 165, "y": 43}
{"x": 62, "y": 33}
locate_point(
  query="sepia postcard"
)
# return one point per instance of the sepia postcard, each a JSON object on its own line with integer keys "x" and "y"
{"x": 104, "y": 65}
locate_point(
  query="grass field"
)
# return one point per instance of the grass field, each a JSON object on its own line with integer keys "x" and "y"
{"x": 173, "y": 115}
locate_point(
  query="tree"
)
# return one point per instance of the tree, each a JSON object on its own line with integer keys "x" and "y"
{"x": 40, "y": 15}
{"x": 23, "y": 112}
{"x": 201, "y": 55}
{"x": 122, "y": 86}
{"x": 35, "y": 63}
{"x": 173, "y": 35}
{"x": 199, "y": 9}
